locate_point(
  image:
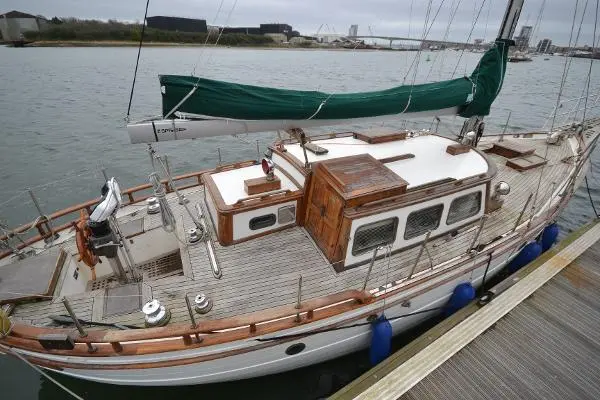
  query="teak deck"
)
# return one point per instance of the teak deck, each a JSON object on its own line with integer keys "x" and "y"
{"x": 263, "y": 273}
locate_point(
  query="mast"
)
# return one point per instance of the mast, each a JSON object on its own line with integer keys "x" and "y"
{"x": 511, "y": 17}
{"x": 507, "y": 29}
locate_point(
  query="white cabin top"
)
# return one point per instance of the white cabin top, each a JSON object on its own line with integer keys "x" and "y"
{"x": 430, "y": 163}
{"x": 231, "y": 183}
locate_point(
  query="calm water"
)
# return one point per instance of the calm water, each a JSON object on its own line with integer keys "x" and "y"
{"x": 62, "y": 115}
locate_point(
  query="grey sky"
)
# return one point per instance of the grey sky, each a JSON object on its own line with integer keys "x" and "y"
{"x": 384, "y": 17}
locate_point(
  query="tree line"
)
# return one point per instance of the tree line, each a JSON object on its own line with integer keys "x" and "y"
{"x": 95, "y": 30}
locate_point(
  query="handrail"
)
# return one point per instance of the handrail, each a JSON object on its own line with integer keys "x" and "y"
{"x": 87, "y": 205}
{"x": 275, "y": 315}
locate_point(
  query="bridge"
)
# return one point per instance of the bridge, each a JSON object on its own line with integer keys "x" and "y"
{"x": 424, "y": 43}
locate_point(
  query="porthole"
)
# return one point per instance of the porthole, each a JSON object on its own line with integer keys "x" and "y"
{"x": 263, "y": 221}
{"x": 295, "y": 349}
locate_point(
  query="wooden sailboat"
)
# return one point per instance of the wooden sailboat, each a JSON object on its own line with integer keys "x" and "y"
{"x": 255, "y": 268}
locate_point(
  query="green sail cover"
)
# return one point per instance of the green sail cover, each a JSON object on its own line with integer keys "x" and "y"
{"x": 473, "y": 95}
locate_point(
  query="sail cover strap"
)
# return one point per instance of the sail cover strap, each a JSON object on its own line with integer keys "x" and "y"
{"x": 472, "y": 95}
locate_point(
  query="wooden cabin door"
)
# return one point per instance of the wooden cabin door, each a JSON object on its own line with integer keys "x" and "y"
{"x": 324, "y": 216}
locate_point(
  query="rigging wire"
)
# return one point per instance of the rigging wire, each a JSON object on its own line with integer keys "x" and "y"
{"x": 538, "y": 21}
{"x": 469, "y": 37}
{"x": 410, "y": 17}
{"x": 41, "y": 372}
{"x": 567, "y": 64}
{"x": 562, "y": 85}
{"x": 587, "y": 186}
{"x": 208, "y": 36}
{"x": 426, "y": 31}
{"x": 195, "y": 87}
{"x": 453, "y": 12}
{"x": 221, "y": 30}
{"x": 589, "y": 77}
{"x": 137, "y": 62}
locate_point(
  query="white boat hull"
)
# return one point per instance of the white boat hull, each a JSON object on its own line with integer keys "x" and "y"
{"x": 273, "y": 359}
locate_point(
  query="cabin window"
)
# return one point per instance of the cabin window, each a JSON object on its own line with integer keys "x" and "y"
{"x": 464, "y": 207}
{"x": 370, "y": 236}
{"x": 286, "y": 215}
{"x": 263, "y": 221}
{"x": 420, "y": 222}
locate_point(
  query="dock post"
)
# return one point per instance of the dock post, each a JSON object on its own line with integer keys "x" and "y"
{"x": 412, "y": 270}
{"x": 518, "y": 221}
{"x": 82, "y": 332}
{"x": 219, "y": 151}
{"x": 191, "y": 313}
{"x": 48, "y": 223}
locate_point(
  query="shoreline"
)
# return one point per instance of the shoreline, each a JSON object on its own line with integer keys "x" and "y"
{"x": 121, "y": 43}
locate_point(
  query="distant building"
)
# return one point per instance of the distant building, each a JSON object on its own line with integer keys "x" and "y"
{"x": 544, "y": 46}
{"x": 353, "y": 31}
{"x": 275, "y": 28}
{"x": 522, "y": 41}
{"x": 177, "y": 24}
{"x": 14, "y": 24}
{"x": 243, "y": 30}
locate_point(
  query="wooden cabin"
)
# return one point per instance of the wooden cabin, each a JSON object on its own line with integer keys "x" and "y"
{"x": 354, "y": 192}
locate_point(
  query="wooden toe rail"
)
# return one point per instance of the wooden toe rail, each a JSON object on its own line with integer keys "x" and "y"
{"x": 180, "y": 336}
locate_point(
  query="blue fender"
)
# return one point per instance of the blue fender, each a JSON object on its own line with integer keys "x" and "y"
{"x": 463, "y": 294}
{"x": 549, "y": 236}
{"x": 527, "y": 254}
{"x": 381, "y": 340}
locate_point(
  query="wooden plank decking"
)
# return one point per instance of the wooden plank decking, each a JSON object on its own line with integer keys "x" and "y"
{"x": 263, "y": 273}
{"x": 541, "y": 347}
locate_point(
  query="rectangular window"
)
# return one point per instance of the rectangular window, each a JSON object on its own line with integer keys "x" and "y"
{"x": 286, "y": 215}
{"x": 420, "y": 222}
{"x": 369, "y": 236}
{"x": 264, "y": 221}
{"x": 464, "y": 207}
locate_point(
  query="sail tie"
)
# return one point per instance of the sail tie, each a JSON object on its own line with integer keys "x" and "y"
{"x": 320, "y": 107}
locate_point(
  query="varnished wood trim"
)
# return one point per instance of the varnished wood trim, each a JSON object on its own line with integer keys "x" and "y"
{"x": 289, "y": 176}
{"x": 207, "y": 326}
{"x": 383, "y": 138}
{"x": 320, "y": 314}
{"x": 507, "y": 245}
{"x": 292, "y": 160}
{"x": 269, "y": 232}
{"x": 244, "y": 206}
{"x": 396, "y": 158}
{"x": 411, "y": 198}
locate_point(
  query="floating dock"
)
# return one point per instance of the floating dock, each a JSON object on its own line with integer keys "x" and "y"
{"x": 539, "y": 338}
